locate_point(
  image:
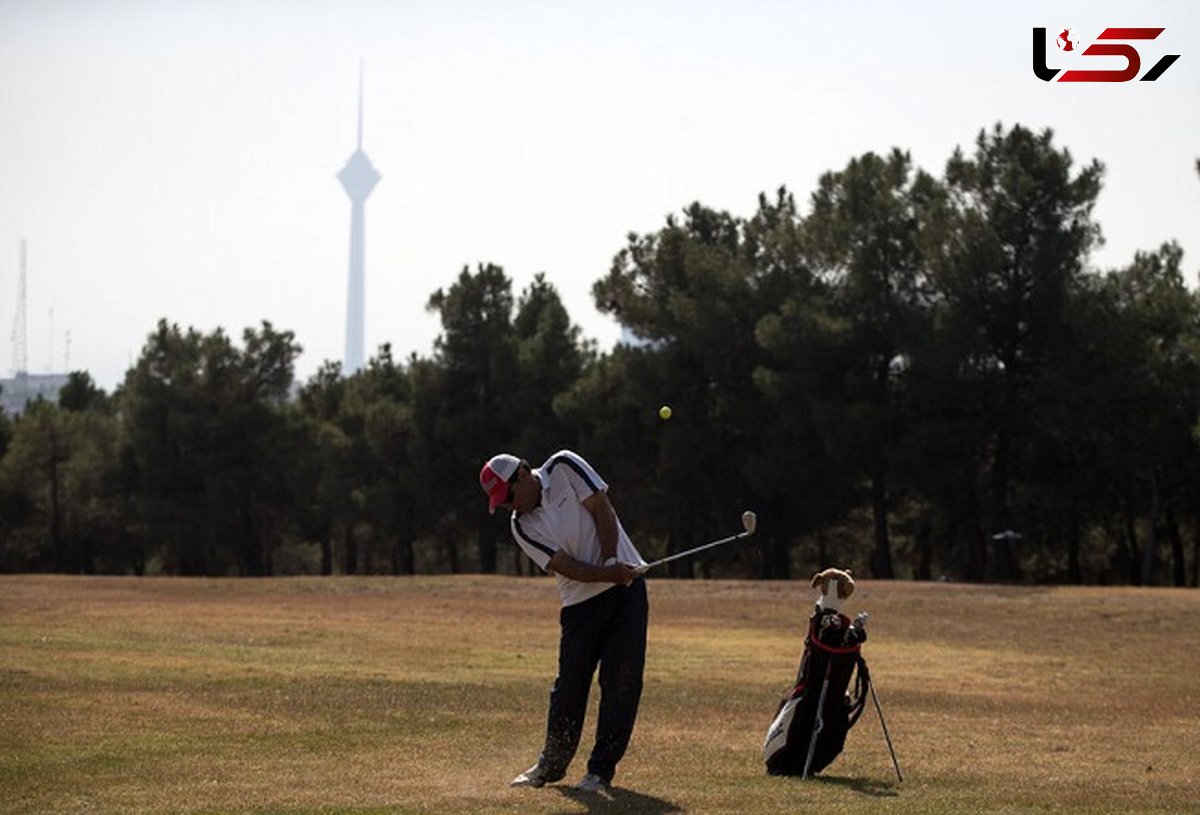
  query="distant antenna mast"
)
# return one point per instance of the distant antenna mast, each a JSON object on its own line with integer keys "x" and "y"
{"x": 20, "y": 347}
{"x": 67, "y": 353}
{"x": 360, "y": 100}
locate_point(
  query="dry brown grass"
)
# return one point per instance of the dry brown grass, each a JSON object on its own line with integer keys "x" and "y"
{"x": 428, "y": 694}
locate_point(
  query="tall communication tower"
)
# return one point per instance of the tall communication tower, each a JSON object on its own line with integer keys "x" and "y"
{"x": 358, "y": 178}
{"x": 19, "y": 338}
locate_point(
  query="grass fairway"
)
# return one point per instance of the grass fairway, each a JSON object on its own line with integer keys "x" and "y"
{"x": 348, "y": 695}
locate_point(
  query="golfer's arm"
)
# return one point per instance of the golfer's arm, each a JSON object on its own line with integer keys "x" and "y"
{"x": 606, "y": 522}
{"x": 567, "y": 566}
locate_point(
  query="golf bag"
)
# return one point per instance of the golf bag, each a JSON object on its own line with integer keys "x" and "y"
{"x": 811, "y": 723}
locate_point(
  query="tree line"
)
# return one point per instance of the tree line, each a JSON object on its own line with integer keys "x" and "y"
{"x": 915, "y": 376}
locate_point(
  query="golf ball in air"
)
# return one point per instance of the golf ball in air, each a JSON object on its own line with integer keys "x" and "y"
{"x": 664, "y": 412}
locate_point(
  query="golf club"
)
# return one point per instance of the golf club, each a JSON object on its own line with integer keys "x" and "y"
{"x": 886, "y": 735}
{"x": 749, "y": 523}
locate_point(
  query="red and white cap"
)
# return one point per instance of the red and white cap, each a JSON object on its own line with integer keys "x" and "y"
{"x": 494, "y": 478}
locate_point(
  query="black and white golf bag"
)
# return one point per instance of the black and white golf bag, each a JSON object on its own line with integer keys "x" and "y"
{"x": 810, "y": 726}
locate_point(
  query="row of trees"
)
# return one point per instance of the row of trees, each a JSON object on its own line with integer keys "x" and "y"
{"x": 916, "y": 377}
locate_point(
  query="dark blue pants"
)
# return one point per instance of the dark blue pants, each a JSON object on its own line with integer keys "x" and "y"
{"x": 608, "y": 630}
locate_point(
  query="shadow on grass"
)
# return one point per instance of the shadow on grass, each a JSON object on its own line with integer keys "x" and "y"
{"x": 864, "y": 786}
{"x": 619, "y": 800}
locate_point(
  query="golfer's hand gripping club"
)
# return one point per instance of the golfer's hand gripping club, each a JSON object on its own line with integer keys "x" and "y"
{"x": 626, "y": 573}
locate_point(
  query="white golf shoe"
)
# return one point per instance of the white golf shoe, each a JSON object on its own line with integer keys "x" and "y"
{"x": 535, "y": 776}
{"x": 593, "y": 783}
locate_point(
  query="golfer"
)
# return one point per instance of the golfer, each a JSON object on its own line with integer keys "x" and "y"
{"x": 562, "y": 518}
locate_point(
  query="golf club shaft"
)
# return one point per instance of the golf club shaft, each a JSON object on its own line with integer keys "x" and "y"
{"x": 879, "y": 710}
{"x": 693, "y": 551}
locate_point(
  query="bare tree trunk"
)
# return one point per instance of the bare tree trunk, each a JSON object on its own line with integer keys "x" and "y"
{"x": 56, "y": 536}
{"x": 1150, "y": 552}
{"x": 350, "y": 564}
{"x": 1132, "y": 549}
{"x": 773, "y": 539}
{"x": 1196, "y": 539}
{"x": 1004, "y": 563}
{"x": 485, "y": 534}
{"x": 924, "y": 541}
{"x": 1178, "y": 569}
{"x": 1074, "y": 572}
{"x": 977, "y": 548}
{"x": 403, "y": 561}
{"x": 452, "y": 552}
{"x": 881, "y": 565}
{"x": 249, "y": 547}
{"x": 326, "y": 555}
{"x": 680, "y": 537}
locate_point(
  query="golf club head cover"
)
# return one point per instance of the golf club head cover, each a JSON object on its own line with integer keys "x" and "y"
{"x": 835, "y": 586}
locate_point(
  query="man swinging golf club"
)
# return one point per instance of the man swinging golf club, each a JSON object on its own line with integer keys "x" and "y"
{"x": 563, "y": 520}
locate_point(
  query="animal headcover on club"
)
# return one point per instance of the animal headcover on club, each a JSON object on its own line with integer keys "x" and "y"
{"x": 835, "y": 586}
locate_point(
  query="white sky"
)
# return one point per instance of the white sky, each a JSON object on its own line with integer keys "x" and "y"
{"x": 177, "y": 158}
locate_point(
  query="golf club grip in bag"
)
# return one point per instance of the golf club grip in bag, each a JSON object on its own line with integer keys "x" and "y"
{"x": 799, "y": 741}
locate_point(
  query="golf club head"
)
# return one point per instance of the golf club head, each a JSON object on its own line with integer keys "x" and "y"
{"x": 749, "y": 521}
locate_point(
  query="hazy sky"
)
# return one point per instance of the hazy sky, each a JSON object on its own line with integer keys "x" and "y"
{"x": 177, "y": 158}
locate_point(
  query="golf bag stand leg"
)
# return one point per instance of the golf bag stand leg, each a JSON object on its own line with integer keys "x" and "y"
{"x": 879, "y": 710}
{"x": 818, "y": 720}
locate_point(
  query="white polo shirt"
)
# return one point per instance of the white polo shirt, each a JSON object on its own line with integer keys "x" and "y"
{"x": 561, "y": 523}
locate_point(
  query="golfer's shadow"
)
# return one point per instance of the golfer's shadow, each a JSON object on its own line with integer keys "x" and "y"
{"x": 864, "y": 786}
{"x": 619, "y": 800}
